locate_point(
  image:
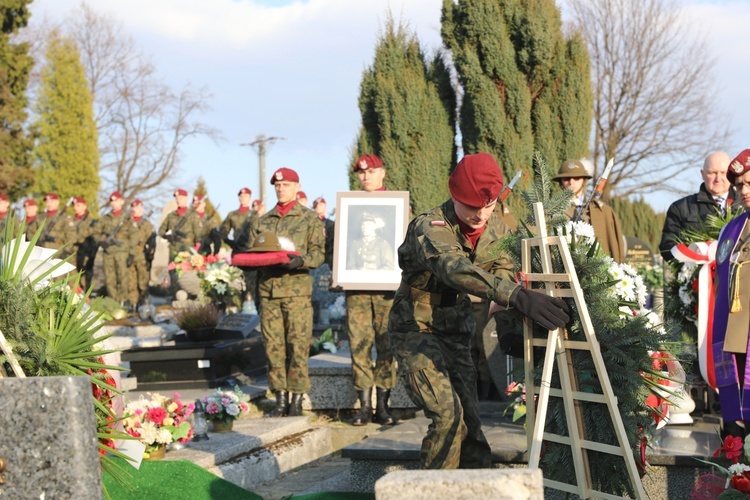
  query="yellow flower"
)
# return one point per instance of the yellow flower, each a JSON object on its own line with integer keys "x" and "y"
{"x": 196, "y": 260}
{"x": 172, "y": 407}
{"x": 168, "y": 421}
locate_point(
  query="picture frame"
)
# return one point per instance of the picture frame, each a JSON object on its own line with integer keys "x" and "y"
{"x": 368, "y": 230}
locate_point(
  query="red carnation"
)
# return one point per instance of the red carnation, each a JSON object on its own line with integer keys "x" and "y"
{"x": 156, "y": 415}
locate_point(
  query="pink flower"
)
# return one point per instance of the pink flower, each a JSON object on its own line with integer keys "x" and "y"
{"x": 185, "y": 266}
{"x": 732, "y": 448}
{"x": 213, "y": 407}
{"x": 156, "y": 415}
{"x": 171, "y": 266}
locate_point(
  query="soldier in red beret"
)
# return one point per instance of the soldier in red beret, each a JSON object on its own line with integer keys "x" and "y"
{"x": 85, "y": 246}
{"x": 114, "y": 238}
{"x": 320, "y": 207}
{"x": 732, "y": 307}
{"x": 180, "y": 227}
{"x": 448, "y": 254}
{"x": 238, "y": 222}
{"x": 142, "y": 250}
{"x": 59, "y": 227}
{"x": 286, "y": 314}
{"x": 302, "y": 198}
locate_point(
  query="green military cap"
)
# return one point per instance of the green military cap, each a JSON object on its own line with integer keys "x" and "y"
{"x": 266, "y": 242}
{"x": 572, "y": 168}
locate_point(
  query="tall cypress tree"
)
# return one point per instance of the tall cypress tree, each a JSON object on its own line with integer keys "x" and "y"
{"x": 639, "y": 219}
{"x": 67, "y": 151}
{"x": 16, "y": 175}
{"x": 526, "y": 87}
{"x": 407, "y": 106}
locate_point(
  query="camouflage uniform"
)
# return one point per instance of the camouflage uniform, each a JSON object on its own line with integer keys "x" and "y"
{"x": 204, "y": 236}
{"x": 3, "y": 222}
{"x": 59, "y": 229}
{"x": 31, "y": 227}
{"x": 85, "y": 247}
{"x": 239, "y": 223}
{"x": 115, "y": 237}
{"x": 142, "y": 244}
{"x": 190, "y": 229}
{"x": 367, "y": 323}
{"x": 328, "y": 227}
{"x": 286, "y": 315}
{"x": 431, "y": 327}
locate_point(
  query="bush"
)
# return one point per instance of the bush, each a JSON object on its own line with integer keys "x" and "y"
{"x": 197, "y": 316}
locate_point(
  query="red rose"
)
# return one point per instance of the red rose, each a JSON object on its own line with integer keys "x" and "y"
{"x": 741, "y": 483}
{"x": 732, "y": 448}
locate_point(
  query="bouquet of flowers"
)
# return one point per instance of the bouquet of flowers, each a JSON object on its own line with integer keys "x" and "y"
{"x": 222, "y": 283}
{"x": 517, "y": 391}
{"x": 736, "y": 480}
{"x": 159, "y": 420}
{"x": 225, "y": 406}
{"x": 191, "y": 261}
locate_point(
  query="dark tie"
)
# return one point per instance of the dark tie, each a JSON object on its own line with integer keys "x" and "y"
{"x": 720, "y": 202}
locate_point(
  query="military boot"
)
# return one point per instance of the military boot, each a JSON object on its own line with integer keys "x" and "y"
{"x": 295, "y": 407}
{"x": 364, "y": 416}
{"x": 383, "y": 412}
{"x": 282, "y": 404}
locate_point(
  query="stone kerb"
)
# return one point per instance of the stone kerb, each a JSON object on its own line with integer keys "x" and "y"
{"x": 516, "y": 484}
{"x": 48, "y": 438}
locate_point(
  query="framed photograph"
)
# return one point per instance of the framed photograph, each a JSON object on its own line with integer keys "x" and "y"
{"x": 369, "y": 229}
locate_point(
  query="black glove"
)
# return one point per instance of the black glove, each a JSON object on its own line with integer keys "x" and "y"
{"x": 169, "y": 238}
{"x": 105, "y": 244}
{"x": 295, "y": 261}
{"x": 130, "y": 260}
{"x": 549, "y": 312}
{"x": 48, "y": 239}
{"x": 181, "y": 235}
{"x": 232, "y": 244}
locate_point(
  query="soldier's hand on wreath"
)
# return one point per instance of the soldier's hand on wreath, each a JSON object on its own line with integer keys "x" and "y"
{"x": 549, "y": 312}
{"x": 295, "y": 261}
{"x": 130, "y": 260}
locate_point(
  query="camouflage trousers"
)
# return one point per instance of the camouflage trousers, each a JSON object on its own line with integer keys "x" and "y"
{"x": 480, "y": 311}
{"x": 367, "y": 323}
{"x": 117, "y": 275}
{"x": 139, "y": 278}
{"x": 441, "y": 380}
{"x": 286, "y": 329}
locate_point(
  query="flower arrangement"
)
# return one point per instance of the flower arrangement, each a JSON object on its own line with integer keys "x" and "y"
{"x": 222, "y": 283}
{"x": 517, "y": 391}
{"x": 337, "y": 310}
{"x": 736, "y": 480}
{"x": 326, "y": 342}
{"x": 225, "y": 406}
{"x": 191, "y": 260}
{"x": 159, "y": 420}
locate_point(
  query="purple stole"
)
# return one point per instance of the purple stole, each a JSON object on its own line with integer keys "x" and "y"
{"x": 735, "y": 399}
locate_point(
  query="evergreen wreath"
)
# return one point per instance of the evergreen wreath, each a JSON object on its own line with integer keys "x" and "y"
{"x": 627, "y": 334}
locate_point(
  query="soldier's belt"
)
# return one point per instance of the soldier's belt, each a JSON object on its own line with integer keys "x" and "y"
{"x": 432, "y": 298}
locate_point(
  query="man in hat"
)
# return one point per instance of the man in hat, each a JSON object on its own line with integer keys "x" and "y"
{"x": 86, "y": 243}
{"x": 236, "y": 223}
{"x": 180, "y": 227}
{"x": 714, "y": 197}
{"x": 320, "y": 207}
{"x": 732, "y": 308}
{"x": 285, "y": 291}
{"x": 143, "y": 247}
{"x": 59, "y": 227}
{"x": 4, "y": 207}
{"x": 302, "y": 199}
{"x": 209, "y": 235}
{"x": 115, "y": 238}
{"x": 367, "y": 310}
{"x": 607, "y": 229}
{"x": 449, "y": 253}
{"x": 258, "y": 207}
{"x": 30, "y": 209}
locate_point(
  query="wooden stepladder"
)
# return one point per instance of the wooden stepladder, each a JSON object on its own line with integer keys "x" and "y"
{"x": 558, "y": 349}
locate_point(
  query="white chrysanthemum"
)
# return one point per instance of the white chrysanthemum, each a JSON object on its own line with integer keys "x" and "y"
{"x": 738, "y": 469}
{"x": 163, "y": 436}
{"x": 615, "y": 271}
{"x": 686, "y": 273}
{"x": 233, "y": 409}
{"x": 640, "y": 291}
{"x": 625, "y": 312}
{"x": 685, "y": 298}
{"x": 149, "y": 433}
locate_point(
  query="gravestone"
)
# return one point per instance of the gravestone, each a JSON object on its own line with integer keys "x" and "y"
{"x": 322, "y": 296}
{"x": 48, "y": 438}
{"x": 236, "y": 326}
{"x": 638, "y": 252}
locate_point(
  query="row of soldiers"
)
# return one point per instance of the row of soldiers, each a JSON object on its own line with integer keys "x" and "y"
{"x": 126, "y": 238}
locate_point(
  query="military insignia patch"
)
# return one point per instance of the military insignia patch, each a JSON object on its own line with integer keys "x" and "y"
{"x": 261, "y": 239}
{"x": 279, "y": 176}
{"x": 724, "y": 250}
{"x": 363, "y": 165}
{"x": 737, "y": 167}
{"x": 437, "y": 223}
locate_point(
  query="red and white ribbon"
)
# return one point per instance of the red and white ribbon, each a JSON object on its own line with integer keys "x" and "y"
{"x": 703, "y": 254}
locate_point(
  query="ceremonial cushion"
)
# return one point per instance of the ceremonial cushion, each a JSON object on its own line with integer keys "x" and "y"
{"x": 261, "y": 259}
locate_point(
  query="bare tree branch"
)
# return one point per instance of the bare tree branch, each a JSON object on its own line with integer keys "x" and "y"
{"x": 655, "y": 108}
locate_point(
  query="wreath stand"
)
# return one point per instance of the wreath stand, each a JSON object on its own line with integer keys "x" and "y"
{"x": 6, "y": 349}
{"x": 557, "y": 349}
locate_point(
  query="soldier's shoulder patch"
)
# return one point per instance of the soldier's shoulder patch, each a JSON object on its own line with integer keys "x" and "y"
{"x": 437, "y": 223}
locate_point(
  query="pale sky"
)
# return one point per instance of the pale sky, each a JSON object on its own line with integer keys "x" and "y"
{"x": 292, "y": 69}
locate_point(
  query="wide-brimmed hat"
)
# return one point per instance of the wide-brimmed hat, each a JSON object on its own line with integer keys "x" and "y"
{"x": 266, "y": 242}
{"x": 572, "y": 168}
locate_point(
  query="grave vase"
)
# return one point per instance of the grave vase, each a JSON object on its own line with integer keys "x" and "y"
{"x": 157, "y": 454}
{"x": 220, "y": 426}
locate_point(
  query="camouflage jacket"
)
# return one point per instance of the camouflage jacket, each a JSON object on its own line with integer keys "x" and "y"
{"x": 61, "y": 227}
{"x": 328, "y": 227}
{"x": 439, "y": 267}
{"x": 108, "y": 227}
{"x": 85, "y": 231}
{"x": 235, "y": 221}
{"x": 303, "y": 227}
{"x": 205, "y": 226}
{"x": 142, "y": 232}
{"x": 189, "y": 228}
{"x": 31, "y": 227}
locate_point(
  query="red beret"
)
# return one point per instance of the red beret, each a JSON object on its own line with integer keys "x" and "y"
{"x": 198, "y": 198}
{"x": 115, "y": 196}
{"x": 318, "y": 200}
{"x": 180, "y": 192}
{"x": 136, "y": 202}
{"x": 301, "y": 194}
{"x": 51, "y": 196}
{"x": 29, "y": 203}
{"x": 244, "y": 191}
{"x": 257, "y": 202}
{"x": 368, "y": 162}
{"x": 739, "y": 166}
{"x": 476, "y": 181}
{"x": 3, "y": 197}
{"x": 79, "y": 199}
{"x": 284, "y": 174}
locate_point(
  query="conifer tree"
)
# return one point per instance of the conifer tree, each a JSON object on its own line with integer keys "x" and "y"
{"x": 211, "y": 209}
{"x": 639, "y": 219}
{"x": 526, "y": 87}
{"x": 407, "y": 106}
{"x": 16, "y": 143}
{"x": 67, "y": 152}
